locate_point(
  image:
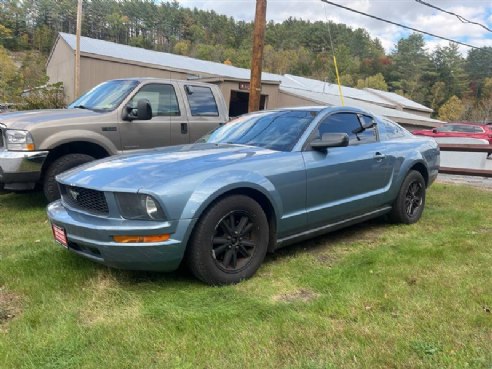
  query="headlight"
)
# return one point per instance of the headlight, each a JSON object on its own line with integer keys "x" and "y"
{"x": 19, "y": 140}
{"x": 139, "y": 206}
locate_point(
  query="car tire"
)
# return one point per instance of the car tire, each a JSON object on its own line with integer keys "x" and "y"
{"x": 410, "y": 202}
{"x": 60, "y": 165}
{"x": 229, "y": 242}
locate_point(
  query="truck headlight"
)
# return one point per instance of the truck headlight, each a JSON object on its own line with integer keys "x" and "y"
{"x": 139, "y": 206}
{"x": 19, "y": 140}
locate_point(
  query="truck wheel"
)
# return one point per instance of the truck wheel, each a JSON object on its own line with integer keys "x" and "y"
{"x": 409, "y": 204}
{"x": 229, "y": 241}
{"x": 60, "y": 165}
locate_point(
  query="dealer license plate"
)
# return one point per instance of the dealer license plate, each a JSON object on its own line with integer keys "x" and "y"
{"x": 60, "y": 235}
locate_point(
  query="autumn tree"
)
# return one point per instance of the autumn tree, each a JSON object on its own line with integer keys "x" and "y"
{"x": 8, "y": 75}
{"x": 452, "y": 110}
{"x": 377, "y": 81}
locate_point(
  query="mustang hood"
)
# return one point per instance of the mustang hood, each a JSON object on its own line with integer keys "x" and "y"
{"x": 151, "y": 168}
{"x": 25, "y": 119}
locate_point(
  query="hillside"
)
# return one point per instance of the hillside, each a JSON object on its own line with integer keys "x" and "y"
{"x": 294, "y": 46}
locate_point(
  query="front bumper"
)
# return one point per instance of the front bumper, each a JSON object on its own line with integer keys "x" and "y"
{"x": 91, "y": 237}
{"x": 19, "y": 167}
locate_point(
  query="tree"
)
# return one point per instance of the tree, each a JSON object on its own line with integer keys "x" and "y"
{"x": 478, "y": 66}
{"x": 8, "y": 75}
{"x": 438, "y": 92}
{"x": 377, "y": 81}
{"x": 449, "y": 65}
{"x": 412, "y": 69}
{"x": 452, "y": 110}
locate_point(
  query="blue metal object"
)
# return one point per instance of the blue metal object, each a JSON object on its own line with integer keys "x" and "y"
{"x": 264, "y": 155}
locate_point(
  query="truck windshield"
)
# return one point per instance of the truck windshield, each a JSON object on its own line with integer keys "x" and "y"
{"x": 274, "y": 130}
{"x": 105, "y": 96}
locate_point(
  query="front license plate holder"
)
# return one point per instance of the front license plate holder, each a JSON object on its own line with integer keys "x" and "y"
{"x": 60, "y": 235}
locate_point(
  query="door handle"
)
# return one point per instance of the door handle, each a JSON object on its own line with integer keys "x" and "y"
{"x": 378, "y": 156}
{"x": 184, "y": 128}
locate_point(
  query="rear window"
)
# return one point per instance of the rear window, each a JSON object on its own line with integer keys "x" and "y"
{"x": 389, "y": 129}
{"x": 202, "y": 101}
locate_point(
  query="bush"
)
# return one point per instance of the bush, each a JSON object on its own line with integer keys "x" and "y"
{"x": 50, "y": 96}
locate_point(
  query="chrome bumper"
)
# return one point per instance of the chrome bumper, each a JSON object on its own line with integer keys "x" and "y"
{"x": 21, "y": 167}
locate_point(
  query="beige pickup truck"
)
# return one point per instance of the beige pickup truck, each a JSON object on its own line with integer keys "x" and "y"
{"x": 112, "y": 118}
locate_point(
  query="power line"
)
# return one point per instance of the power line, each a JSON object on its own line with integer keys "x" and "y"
{"x": 399, "y": 24}
{"x": 461, "y": 18}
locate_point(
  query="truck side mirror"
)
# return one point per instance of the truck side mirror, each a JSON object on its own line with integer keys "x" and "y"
{"x": 142, "y": 112}
{"x": 144, "y": 109}
{"x": 189, "y": 89}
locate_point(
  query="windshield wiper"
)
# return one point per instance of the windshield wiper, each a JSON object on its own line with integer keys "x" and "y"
{"x": 81, "y": 107}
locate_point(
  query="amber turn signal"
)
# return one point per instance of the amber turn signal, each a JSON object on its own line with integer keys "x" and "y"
{"x": 142, "y": 239}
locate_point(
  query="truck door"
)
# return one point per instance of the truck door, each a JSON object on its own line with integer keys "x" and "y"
{"x": 166, "y": 113}
{"x": 203, "y": 114}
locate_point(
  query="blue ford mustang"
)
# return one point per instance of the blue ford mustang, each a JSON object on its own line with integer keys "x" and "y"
{"x": 262, "y": 181}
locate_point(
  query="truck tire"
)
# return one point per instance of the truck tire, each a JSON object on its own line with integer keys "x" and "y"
{"x": 60, "y": 165}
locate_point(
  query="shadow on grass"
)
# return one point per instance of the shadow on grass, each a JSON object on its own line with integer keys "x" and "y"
{"x": 367, "y": 231}
{"x": 22, "y": 200}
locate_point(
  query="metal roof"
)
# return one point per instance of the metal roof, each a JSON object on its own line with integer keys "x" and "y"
{"x": 400, "y": 100}
{"x": 379, "y": 102}
{"x": 308, "y": 84}
{"x": 178, "y": 62}
{"x": 333, "y": 100}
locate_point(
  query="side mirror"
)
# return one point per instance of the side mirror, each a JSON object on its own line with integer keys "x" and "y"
{"x": 330, "y": 140}
{"x": 189, "y": 89}
{"x": 144, "y": 109}
{"x": 368, "y": 125}
{"x": 142, "y": 112}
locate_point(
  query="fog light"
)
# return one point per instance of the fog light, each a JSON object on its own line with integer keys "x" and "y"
{"x": 142, "y": 239}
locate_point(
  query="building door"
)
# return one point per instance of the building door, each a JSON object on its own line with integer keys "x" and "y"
{"x": 238, "y": 104}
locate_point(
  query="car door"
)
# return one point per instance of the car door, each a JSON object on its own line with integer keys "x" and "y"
{"x": 346, "y": 181}
{"x": 157, "y": 132}
{"x": 203, "y": 112}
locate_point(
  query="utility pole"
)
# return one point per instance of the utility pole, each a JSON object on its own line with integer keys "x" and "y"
{"x": 76, "y": 90}
{"x": 257, "y": 57}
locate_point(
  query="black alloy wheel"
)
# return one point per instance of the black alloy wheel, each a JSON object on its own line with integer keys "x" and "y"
{"x": 233, "y": 243}
{"x": 410, "y": 202}
{"x": 414, "y": 198}
{"x": 229, "y": 241}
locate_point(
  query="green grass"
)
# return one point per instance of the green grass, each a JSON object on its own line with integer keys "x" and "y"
{"x": 372, "y": 296}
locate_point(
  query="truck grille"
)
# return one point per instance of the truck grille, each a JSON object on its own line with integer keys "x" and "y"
{"x": 85, "y": 199}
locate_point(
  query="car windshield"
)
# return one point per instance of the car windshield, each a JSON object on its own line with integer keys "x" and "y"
{"x": 275, "y": 130}
{"x": 105, "y": 97}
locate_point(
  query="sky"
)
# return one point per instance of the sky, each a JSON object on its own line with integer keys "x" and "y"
{"x": 408, "y": 12}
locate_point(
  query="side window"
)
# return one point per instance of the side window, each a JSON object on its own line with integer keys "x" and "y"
{"x": 202, "y": 101}
{"x": 369, "y": 134}
{"x": 389, "y": 129}
{"x": 162, "y": 99}
{"x": 347, "y": 123}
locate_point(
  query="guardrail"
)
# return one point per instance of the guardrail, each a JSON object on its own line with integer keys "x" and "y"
{"x": 466, "y": 148}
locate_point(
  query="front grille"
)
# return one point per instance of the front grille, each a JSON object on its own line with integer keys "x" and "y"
{"x": 85, "y": 199}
